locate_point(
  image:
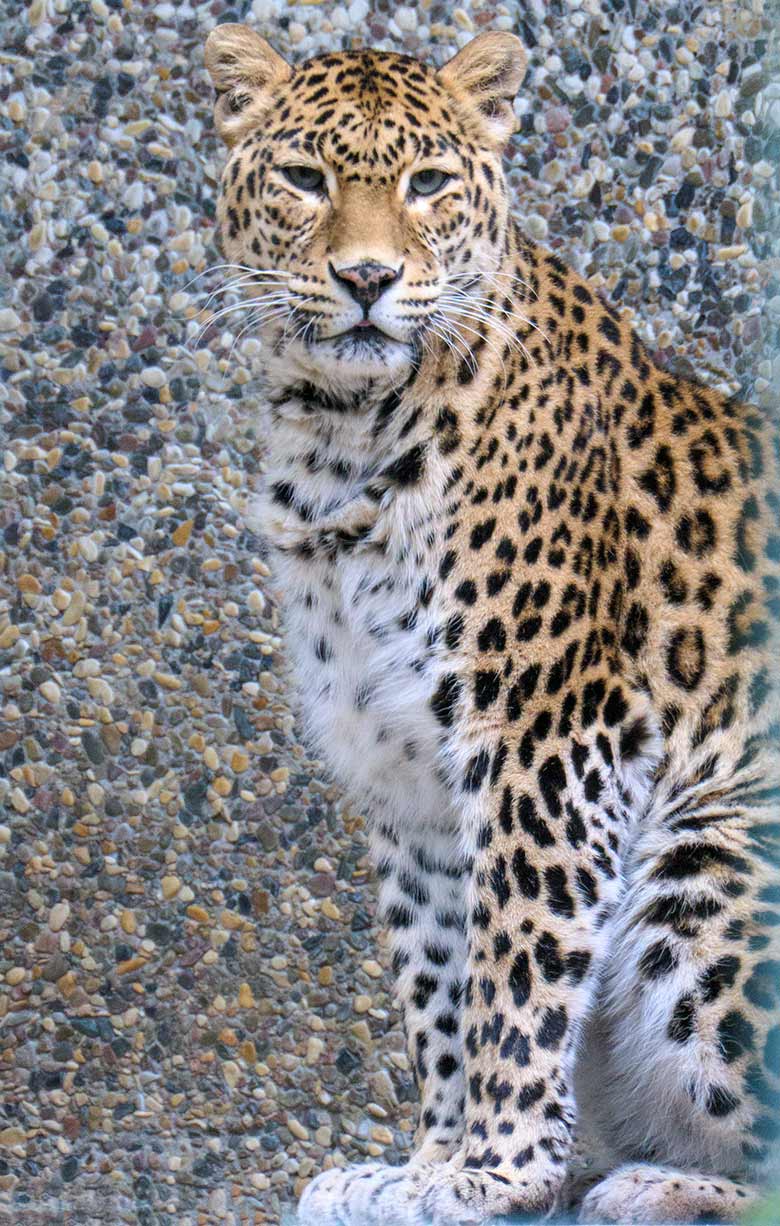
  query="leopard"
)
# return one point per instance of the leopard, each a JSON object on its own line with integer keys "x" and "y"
{"x": 530, "y": 583}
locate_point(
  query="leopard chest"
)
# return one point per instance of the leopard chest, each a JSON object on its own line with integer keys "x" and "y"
{"x": 366, "y": 664}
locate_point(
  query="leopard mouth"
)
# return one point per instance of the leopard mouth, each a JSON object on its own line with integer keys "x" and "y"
{"x": 364, "y": 333}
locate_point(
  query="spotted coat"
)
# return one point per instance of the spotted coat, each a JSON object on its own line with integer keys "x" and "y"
{"x": 531, "y": 586}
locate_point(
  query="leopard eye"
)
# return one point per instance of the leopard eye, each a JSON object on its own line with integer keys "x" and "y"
{"x": 426, "y": 182}
{"x": 307, "y": 178}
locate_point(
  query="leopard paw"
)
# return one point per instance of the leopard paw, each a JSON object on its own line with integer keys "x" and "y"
{"x": 370, "y": 1195}
{"x": 643, "y": 1194}
{"x": 457, "y": 1195}
{"x": 445, "y": 1194}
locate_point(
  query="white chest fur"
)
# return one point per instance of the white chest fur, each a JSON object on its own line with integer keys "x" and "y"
{"x": 360, "y": 622}
{"x": 365, "y": 671}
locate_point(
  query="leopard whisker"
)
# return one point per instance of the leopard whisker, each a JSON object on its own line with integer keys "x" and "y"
{"x": 482, "y": 337}
{"x": 490, "y": 322}
{"x": 265, "y": 303}
{"x": 523, "y": 319}
{"x": 440, "y": 328}
{"x": 238, "y": 284}
{"x": 507, "y": 276}
{"x": 258, "y": 319}
{"x": 243, "y": 268}
{"x": 246, "y": 304}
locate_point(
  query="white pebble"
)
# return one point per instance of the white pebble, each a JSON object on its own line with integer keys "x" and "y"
{"x": 554, "y": 171}
{"x": 723, "y": 105}
{"x": 134, "y": 197}
{"x": 19, "y": 800}
{"x": 100, "y": 690}
{"x": 58, "y": 916}
{"x": 50, "y": 691}
{"x": 152, "y": 376}
{"x": 314, "y": 1049}
{"x": 629, "y": 39}
{"x": 405, "y": 17}
{"x": 537, "y": 226}
{"x": 682, "y": 139}
{"x": 264, "y": 10}
{"x": 745, "y": 215}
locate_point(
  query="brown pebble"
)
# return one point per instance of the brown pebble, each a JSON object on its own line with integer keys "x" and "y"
{"x": 321, "y": 885}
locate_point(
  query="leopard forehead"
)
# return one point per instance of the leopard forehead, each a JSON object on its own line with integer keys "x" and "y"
{"x": 366, "y": 111}
{"x": 376, "y": 81}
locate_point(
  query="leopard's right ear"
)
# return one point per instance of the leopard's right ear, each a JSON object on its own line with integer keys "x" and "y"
{"x": 245, "y": 70}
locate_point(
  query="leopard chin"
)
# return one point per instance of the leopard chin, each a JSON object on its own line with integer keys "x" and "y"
{"x": 344, "y": 370}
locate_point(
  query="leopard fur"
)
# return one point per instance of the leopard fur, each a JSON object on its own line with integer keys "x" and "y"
{"x": 531, "y": 587}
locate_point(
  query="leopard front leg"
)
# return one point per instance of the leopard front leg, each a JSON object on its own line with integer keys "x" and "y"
{"x": 422, "y": 901}
{"x": 544, "y": 882}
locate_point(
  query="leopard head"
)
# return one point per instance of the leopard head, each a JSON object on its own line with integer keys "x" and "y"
{"x": 363, "y": 198}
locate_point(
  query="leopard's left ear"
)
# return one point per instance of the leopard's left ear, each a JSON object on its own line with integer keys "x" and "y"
{"x": 488, "y": 72}
{"x": 245, "y": 70}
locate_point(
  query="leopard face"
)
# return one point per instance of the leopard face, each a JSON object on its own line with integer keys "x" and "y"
{"x": 363, "y": 198}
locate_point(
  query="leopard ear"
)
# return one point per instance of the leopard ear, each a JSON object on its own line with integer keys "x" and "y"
{"x": 487, "y": 73}
{"x": 245, "y": 70}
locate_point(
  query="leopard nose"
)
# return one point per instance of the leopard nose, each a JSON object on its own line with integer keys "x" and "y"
{"x": 367, "y": 281}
